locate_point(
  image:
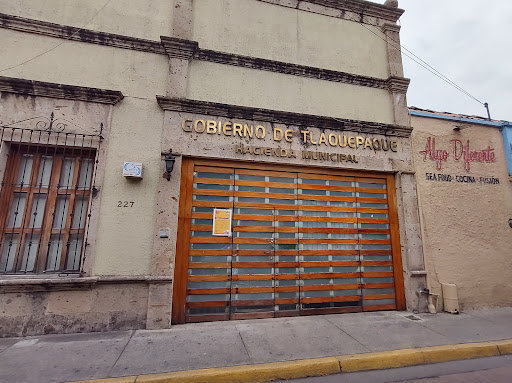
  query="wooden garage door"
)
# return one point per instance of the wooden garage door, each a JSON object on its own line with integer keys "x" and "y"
{"x": 303, "y": 243}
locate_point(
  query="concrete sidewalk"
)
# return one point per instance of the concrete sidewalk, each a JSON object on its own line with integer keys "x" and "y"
{"x": 63, "y": 358}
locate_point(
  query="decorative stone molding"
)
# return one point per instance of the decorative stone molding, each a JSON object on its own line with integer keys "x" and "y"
{"x": 287, "y": 68}
{"x": 23, "y": 284}
{"x": 366, "y": 12}
{"x": 77, "y": 34}
{"x": 179, "y": 48}
{"x": 398, "y": 84}
{"x": 388, "y": 27}
{"x": 67, "y": 92}
{"x": 187, "y": 50}
{"x": 288, "y": 118}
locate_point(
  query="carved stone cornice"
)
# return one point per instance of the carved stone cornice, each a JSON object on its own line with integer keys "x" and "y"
{"x": 288, "y": 68}
{"x": 77, "y": 34}
{"x": 344, "y": 8}
{"x": 66, "y": 92}
{"x": 398, "y": 84}
{"x": 388, "y": 27}
{"x": 273, "y": 116}
{"x": 179, "y": 48}
{"x": 188, "y": 50}
{"x": 16, "y": 284}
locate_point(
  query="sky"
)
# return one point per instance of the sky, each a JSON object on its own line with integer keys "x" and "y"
{"x": 469, "y": 42}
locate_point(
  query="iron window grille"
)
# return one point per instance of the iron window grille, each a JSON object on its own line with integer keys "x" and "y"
{"x": 45, "y": 198}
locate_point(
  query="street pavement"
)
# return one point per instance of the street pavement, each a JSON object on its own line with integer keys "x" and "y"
{"x": 63, "y": 358}
{"x": 485, "y": 370}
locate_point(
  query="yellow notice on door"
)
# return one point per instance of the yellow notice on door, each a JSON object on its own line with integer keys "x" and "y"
{"x": 222, "y": 222}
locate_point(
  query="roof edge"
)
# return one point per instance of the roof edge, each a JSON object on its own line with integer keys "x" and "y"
{"x": 440, "y": 116}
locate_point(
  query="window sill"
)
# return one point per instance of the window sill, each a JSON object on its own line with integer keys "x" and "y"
{"x": 15, "y": 284}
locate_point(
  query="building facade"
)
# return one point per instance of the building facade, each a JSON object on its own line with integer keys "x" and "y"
{"x": 191, "y": 160}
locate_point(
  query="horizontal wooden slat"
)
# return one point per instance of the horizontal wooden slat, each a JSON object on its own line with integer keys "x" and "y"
{"x": 378, "y": 285}
{"x": 327, "y": 219}
{"x": 326, "y": 187}
{"x": 266, "y": 173}
{"x": 253, "y": 277}
{"x": 328, "y": 241}
{"x": 330, "y": 264}
{"x": 286, "y": 301}
{"x": 373, "y": 220}
{"x": 220, "y": 193}
{"x": 213, "y": 169}
{"x": 265, "y": 195}
{"x": 252, "y": 241}
{"x": 351, "y": 298}
{"x": 329, "y": 275}
{"x": 209, "y": 265}
{"x": 258, "y": 253}
{"x": 286, "y": 241}
{"x": 327, "y": 208}
{"x": 252, "y": 290}
{"x": 372, "y": 211}
{"x": 252, "y": 315}
{"x": 255, "y": 265}
{"x": 206, "y": 318}
{"x": 311, "y": 176}
{"x": 213, "y": 181}
{"x": 327, "y": 230}
{"x": 375, "y": 297}
{"x": 377, "y": 263}
{"x": 202, "y": 215}
{"x": 210, "y": 239}
{"x": 372, "y": 191}
{"x": 217, "y": 204}
{"x": 308, "y": 197}
{"x": 287, "y": 264}
{"x": 354, "y": 286}
{"x": 201, "y": 227}
{"x": 210, "y": 253}
{"x": 264, "y": 229}
{"x": 208, "y": 291}
{"x": 265, "y": 206}
{"x": 379, "y": 308}
{"x": 209, "y": 278}
{"x": 329, "y": 252}
{"x": 262, "y": 217}
{"x": 262, "y": 184}
{"x": 286, "y": 277}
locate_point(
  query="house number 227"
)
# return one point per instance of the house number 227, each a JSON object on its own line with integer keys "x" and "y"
{"x": 125, "y": 203}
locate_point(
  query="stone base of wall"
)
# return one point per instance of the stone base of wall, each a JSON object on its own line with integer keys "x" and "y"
{"x": 95, "y": 308}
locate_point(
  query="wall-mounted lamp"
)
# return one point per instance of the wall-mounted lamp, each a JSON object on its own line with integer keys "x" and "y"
{"x": 169, "y": 159}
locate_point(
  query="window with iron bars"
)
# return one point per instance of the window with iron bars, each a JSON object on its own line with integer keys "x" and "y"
{"x": 44, "y": 206}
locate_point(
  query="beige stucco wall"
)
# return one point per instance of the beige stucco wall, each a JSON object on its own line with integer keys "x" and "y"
{"x": 144, "y": 19}
{"x": 466, "y": 236}
{"x": 258, "y": 29}
{"x": 124, "y": 237}
{"x": 277, "y": 91}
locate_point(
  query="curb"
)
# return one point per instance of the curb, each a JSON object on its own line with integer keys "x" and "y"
{"x": 260, "y": 373}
